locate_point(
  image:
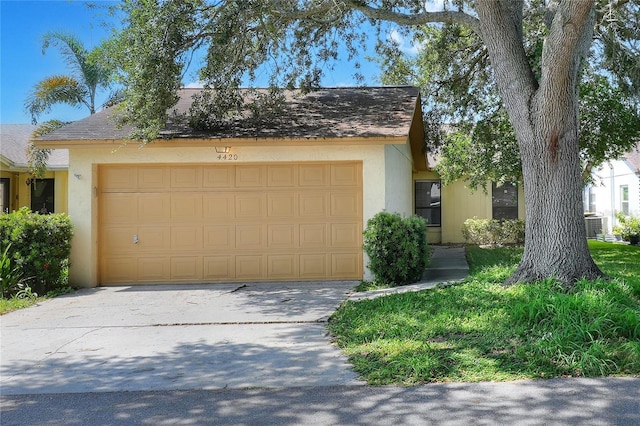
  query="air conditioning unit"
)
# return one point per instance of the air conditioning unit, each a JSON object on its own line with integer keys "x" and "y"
{"x": 594, "y": 226}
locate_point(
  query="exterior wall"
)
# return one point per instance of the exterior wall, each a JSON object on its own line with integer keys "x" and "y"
{"x": 398, "y": 183}
{"x": 460, "y": 203}
{"x": 61, "y": 191}
{"x": 84, "y": 162}
{"x": 608, "y": 180}
{"x": 20, "y": 195}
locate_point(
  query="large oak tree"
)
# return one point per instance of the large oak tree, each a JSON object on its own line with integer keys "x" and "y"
{"x": 293, "y": 41}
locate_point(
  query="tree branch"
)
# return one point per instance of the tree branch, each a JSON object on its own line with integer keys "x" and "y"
{"x": 415, "y": 19}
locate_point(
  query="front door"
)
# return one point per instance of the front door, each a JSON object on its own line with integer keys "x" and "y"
{"x": 42, "y": 195}
{"x": 5, "y": 188}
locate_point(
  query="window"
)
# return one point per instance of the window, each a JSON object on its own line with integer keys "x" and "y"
{"x": 42, "y": 195}
{"x": 427, "y": 198}
{"x": 589, "y": 199}
{"x": 624, "y": 199}
{"x": 504, "y": 200}
{"x": 5, "y": 188}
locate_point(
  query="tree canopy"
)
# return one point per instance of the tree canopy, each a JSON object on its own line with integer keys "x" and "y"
{"x": 527, "y": 55}
{"x": 479, "y": 145}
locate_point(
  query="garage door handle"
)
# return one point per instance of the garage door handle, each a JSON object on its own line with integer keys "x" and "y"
{"x": 135, "y": 239}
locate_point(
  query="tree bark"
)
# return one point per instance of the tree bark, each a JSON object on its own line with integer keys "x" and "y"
{"x": 545, "y": 119}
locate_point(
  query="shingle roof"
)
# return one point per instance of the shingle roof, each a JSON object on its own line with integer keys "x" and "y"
{"x": 633, "y": 158}
{"x": 14, "y": 139}
{"x": 327, "y": 113}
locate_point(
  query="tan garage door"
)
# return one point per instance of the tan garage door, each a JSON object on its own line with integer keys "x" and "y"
{"x": 216, "y": 223}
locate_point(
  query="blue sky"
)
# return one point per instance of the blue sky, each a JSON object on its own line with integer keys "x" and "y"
{"x": 22, "y": 24}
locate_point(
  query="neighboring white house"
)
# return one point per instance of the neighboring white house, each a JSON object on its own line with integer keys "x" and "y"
{"x": 616, "y": 188}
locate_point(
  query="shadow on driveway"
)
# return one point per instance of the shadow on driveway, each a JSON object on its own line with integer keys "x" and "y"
{"x": 173, "y": 337}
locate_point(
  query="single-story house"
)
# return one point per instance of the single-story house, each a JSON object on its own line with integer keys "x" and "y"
{"x": 283, "y": 199}
{"x": 18, "y": 188}
{"x": 615, "y": 188}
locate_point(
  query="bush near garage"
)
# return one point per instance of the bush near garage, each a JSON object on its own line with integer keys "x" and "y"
{"x": 38, "y": 247}
{"x": 397, "y": 248}
{"x": 493, "y": 232}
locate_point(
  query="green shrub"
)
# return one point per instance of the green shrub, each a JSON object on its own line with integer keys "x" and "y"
{"x": 628, "y": 227}
{"x": 397, "y": 248}
{"x": 11, "y": 280}
{"x": 493, "y": 232}
{"x": 38, "y": 246}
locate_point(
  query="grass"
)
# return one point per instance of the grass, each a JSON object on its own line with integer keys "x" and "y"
{"x": 24, "y": 300}
{"x": 14, "y": 303}
{"x": 482, "y": 331}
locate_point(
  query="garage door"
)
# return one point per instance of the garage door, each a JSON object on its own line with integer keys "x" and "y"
{"x": 217, "y": 223}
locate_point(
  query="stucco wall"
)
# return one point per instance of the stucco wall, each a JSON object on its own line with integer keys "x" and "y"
{"x": 398, "y": 183}
{"x": 459, "y": 203}
{"x": 21, "y": 192}
{"x": 84, "y": 161}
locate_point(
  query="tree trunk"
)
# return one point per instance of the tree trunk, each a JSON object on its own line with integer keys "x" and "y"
{"x": 545, "y": 119}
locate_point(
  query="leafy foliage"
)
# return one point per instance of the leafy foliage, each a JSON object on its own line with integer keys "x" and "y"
{"x": 54, "y": 90}
{"x": 493, "y": 232}
{"x": 627, "y": 227}
{"x": 452, "y": 69}
{"x": 38, "y": 247}
{"x": 77, "y": 89}
{"x": 285, "y": 43}
{"x": 397, "y": 248}
{"x": 11, "y": 278}
{"x": 37, "y": 157}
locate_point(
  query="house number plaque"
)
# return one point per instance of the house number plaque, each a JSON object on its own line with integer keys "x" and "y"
{"x": 227, "y": 157}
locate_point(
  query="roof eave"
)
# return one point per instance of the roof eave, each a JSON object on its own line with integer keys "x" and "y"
{"x": 213, "y": 142}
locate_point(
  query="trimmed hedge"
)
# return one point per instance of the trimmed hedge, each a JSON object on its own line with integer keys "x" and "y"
{"x": 493, "y": 232}
{"x": 39, "y": 247}
{"x": 397, "y": 248}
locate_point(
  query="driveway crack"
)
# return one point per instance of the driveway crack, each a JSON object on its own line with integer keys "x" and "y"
{"x": 57, "y": 350}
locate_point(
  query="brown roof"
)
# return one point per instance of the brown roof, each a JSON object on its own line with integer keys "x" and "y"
{"x": 633, "y": 158}
{"x": 343, "y": 112}
{"x": 14, "y": 139}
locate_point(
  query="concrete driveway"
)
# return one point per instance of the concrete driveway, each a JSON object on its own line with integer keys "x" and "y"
{"x": 175, "y": 337}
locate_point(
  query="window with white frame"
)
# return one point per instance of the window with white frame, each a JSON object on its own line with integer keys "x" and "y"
{"x": 624, "y": 199}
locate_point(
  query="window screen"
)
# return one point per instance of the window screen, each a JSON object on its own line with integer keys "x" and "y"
{"x": 427, "y": 199}
{"x": 505, "y": 200}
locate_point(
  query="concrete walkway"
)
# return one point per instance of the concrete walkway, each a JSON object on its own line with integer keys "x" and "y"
{"x": 448, "y": 264}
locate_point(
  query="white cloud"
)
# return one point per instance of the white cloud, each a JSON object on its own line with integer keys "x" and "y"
{"x": 434, "y": 5}
{"x": 403, "y": 45}
{"x": 194, "y": 85}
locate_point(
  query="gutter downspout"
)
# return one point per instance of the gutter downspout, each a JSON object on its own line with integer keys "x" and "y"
{"x": 613, "y": 198}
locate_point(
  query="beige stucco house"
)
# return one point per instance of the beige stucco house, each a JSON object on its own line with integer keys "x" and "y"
{"x": 283, "y": 199}
{"x": 18, "y": 188}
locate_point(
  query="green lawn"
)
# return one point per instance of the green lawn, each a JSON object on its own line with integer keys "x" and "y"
{"x": 28, "y": 299}
{"x": 480, "y": 330}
